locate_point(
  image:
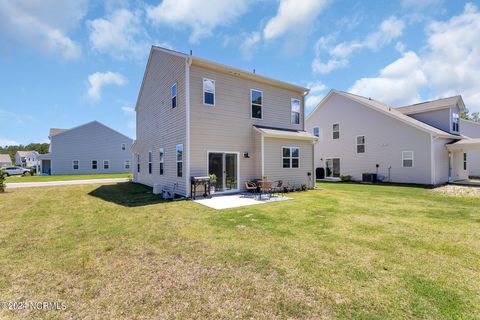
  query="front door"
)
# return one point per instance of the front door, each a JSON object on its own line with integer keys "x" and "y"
{"x": 332, "y": 168}
{"x": 224, "y": 166}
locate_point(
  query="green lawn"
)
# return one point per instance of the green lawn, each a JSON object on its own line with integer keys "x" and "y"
{"x": 64, "y": 177}
{"x": 345, "y": 251}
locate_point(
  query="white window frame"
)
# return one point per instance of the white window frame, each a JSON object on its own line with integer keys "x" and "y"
{"x": 455, "y": 125}
{"x": 127, "y": 164}
{"x": 465, "y": 161}
{"x": 407, "y": 158}
{"x": 292, "y": 112}
{"x": 150, "y": 158}
{"x": 173, "y": 96}
{"x": 108, "y": 164}
{"x": 78, "y": 164}
{"x": 318, "y": 131}
{"x": 333, "y": 131}
{"x": 96, "y": 164}
{"x": 179, "y": 161}
{"x": 124, "y": 147}
{"x": 208, "y": 91}
{"x": 364, "y": 143}
{"x": 161, "y": 166}
{"x": 291, "y": 157}
{"x": 256, "y": 104}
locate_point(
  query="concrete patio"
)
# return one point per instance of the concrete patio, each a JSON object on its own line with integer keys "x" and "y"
{"x": 237, "y": 200}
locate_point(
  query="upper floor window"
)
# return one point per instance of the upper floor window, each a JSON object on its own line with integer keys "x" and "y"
{"x": 124, "y": 146}
{"x": 360, "y": 144}
{"x": 179, "y": 160}
{"x": 316, "y": 132}
{"x": 295, "y": 105}
{"x": 407, "y": 159}
{"x": 94, "y": 164}
{"x": 161, "y": 154}
{"x": 290, "y": 157}
{"x": 174, "y": 95}
{"x": 336, "y": 131}
{"x": 455, "y": 122}
{"x": 106, "y": 164}
{"x": 76, "y": 164}
{"x": 208, "y": 91}
{"x": 256, "y": 99}
{"x": 150, "y": 162}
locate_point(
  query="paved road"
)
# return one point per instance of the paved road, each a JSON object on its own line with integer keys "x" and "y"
{"x": 62, "y": 183}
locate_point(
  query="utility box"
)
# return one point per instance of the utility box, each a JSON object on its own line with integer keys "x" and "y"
{"x": 369, "y": 177}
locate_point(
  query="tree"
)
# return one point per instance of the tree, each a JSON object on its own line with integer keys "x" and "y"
{"x": 11, "y": 150}
{"x": 475, "y": 116}
{"x": 2, "y": 180}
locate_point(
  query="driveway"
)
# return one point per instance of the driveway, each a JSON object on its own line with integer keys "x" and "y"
{"x": 63, "y": 183}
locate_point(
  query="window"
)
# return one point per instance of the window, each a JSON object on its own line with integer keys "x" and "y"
{"x": 174, "y": 95}
{"x": 455, "y": 122}
{"x": 290, "y": 157}
{"x": 464, "y": 161}
{"x": 179, "y": 160}
{"x": 138, "y": 162}
{"x": 336, "y": 131}
{"x": 94, "y": 164}
{"x": 295, "y": 104}
{"x": 124, "y": 147}
{"x": 150, "y": 162}
{"x": 76, "y": 164}
{"x": 106, "y": 164}
{"x": 256, "y": 99}
{"x": 360, "y": 144}
{"x": 209, "y": 92}
{"x": 407, "y": 159}
{"x": 127, "y": 164}
{"x": 316, "y": 132}
{"x": 161, "y": 153}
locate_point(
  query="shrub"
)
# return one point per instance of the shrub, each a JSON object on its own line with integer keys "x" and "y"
{"x": 2, "y": 180}
{"x": 346, "y": 178}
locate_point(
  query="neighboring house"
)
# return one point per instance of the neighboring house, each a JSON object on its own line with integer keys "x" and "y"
{"x": 27, "y": 159}
{"x": 5, "y": 160}
{"x": 196, "y": 117}
{"x": 471, "y": 129}
{"x": 87, "y": 149}
{"x": 420, "y": 143}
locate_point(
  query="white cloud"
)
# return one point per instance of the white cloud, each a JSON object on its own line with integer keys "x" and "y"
{"x": 389, "y": 30}
{"x": 120, "y": 34}
{"x": 293, "y": 16}
{"x": 421, "y": 4}
{"x": 128, "y": 111}
{"x": 317, "y": 92}
{"x": 43, "y": 25}
{"x": 249, "y": 44}
{"x": 202, "y": 17}
{"x": 7, "y": 142}
{"x": 449, "y": 65}
{"x": 98, "y": 80}
{"x": 397, "y": 83}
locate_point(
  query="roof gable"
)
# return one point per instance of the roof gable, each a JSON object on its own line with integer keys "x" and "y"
{"x": 92, "y": 123}
{"x": 438, "y": 104}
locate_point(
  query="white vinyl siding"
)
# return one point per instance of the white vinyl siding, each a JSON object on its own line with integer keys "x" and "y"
{"x": 208, "y": 91}
{"x": 295, "y": 105}
{"x": 407, "y": 159}
{"x": 360, "y": 144}
{"x": 256, "y": 107}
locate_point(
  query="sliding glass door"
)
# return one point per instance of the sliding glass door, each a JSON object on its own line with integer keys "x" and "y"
{"x": 224, "y": 166}
{"x": 332, "y": 168}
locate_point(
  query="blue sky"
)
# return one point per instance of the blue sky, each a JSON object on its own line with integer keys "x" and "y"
{"x": 64, "y": 63}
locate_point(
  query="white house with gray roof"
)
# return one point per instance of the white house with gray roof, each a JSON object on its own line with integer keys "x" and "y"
{"x": 197, "y": 117}
{"x": 87, "y": 149}
{"x": 27, "y": 159}
{"x": 419, "y": 143}
{"x": 5, "y": 160}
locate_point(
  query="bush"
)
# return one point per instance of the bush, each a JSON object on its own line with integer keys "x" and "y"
{"x": 2, "y": 180}
{"x": 346, "y": 178}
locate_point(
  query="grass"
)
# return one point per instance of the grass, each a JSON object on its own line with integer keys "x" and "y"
{"x": 345, "y": 251}
{"x": 64, "y": 177}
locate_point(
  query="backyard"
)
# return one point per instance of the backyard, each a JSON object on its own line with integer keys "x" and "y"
{"x": 343, "y": 251}
{"x": 64, "y": 177}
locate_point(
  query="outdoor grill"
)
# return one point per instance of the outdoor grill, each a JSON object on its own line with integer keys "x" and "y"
{"x": 199, "y": 181}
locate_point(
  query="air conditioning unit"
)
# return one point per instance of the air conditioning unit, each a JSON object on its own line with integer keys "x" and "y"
{"x": 369, "y": 177}
{"x": 157, "y": 189}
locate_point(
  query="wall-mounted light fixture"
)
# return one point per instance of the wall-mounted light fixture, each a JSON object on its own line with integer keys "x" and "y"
{"x": 245, "y": 155}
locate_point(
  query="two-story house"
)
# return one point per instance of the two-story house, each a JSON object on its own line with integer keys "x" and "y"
{"x": 87, "y": 149}
{"x": 471, "y": 129}
{"x": 27, "y": 159}
{"x": 196, "y": 117}
{"x": 419, "y": 143}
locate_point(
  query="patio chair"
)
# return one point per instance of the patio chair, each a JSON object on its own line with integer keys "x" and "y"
{"x": 265, "y": 188}
{"x": 251, "y": 188}
{"x": 277, "y": 187}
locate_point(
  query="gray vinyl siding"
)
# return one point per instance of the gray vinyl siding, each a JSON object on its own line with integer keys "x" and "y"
{"x": 92, "y": 141}
{"x": 160, "y": 126}
{"x": 440, "y": 119}
{"x": 385, "y": 137}
{"x": 441, "y": 160}
{"x": 273, "y": 157}
{"x": 228, "y": 125}
{"x": 472, "y": 130}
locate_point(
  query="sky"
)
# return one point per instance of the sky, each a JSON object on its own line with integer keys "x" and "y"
{"x": 64, "y": 63}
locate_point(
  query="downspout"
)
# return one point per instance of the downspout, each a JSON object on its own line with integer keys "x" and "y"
{"x": 188, "y": 63}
